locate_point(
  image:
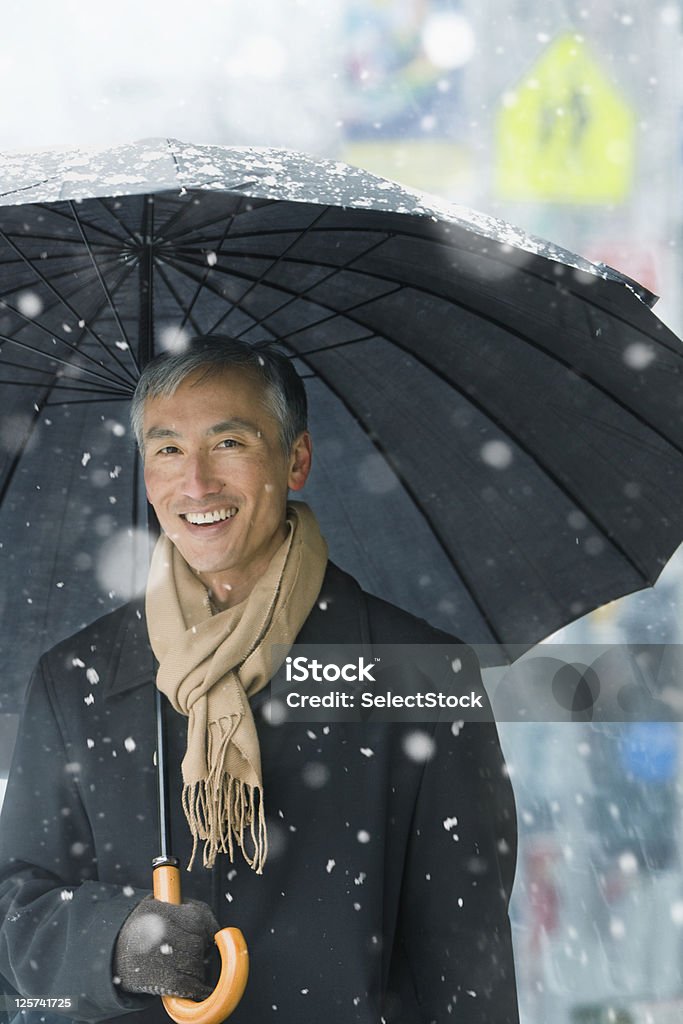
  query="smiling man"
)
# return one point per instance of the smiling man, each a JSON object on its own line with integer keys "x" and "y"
{"x": 368, "y": 864}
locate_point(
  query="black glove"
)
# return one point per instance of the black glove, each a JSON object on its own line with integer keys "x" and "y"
{"x": 162, "y": 949}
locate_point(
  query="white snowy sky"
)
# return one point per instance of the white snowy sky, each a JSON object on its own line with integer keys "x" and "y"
{"x": 86, "y": 72}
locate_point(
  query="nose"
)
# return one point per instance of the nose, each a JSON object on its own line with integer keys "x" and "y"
{"x": 200, "y": 481}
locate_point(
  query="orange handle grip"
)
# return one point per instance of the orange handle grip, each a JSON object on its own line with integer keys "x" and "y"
{"x": 234, "y": 964}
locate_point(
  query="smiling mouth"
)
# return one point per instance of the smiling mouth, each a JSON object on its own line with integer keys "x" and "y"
{"x": 206, "y": 518}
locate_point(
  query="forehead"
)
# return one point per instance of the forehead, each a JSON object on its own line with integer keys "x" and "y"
{"x": 213, "y": 387}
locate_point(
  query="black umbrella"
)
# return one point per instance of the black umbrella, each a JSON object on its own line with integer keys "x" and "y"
{"x": 497, "y": 422}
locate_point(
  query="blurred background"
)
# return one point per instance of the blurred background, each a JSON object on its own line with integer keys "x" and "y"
{"x": 563, "y": 117}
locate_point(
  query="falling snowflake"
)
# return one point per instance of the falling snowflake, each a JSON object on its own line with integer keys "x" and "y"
{"x": 638, "y": 355}
{"x": 29, "y": 304}
{"x": 419, "y": 746}
{"x": 496, "y": 454}
{"x": 676, "y": 912}
{"x": 628, "y": 863}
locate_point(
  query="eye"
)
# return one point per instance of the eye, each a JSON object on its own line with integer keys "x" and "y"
{"x": 168, "y": 449}
{"x": 228, "y": 442}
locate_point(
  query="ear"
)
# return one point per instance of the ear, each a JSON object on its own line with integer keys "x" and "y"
{"x": 300, "y": 459}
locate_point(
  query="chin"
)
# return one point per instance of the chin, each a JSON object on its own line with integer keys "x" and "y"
{"x": 205, "y": 565}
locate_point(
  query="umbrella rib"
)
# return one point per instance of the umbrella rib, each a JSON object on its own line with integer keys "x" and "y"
{"x": 62, "y": 300}
{"x": 49, "y": 307}
{"x": 56, "y": 211}
{"x": 38, "y": 407}
{"x": 548, "y": 471}
{"x": 236, "y": 304}
{"x": 281, "y": 256}
{"x": 229, "y": 222}
{"x": 28, "y": 322}
{"x": 337, "y": 345}
{"x": 332, "y": 271}
{"x": 459, "y": 303}
{"x": 57, "y": 276}
{"x": 64, "y": 386}
{"x": 469, "y": 586}
{"x": 352, "y": 229}
{"x": 117, "y": 220}
{"x": 182, "y": 268}
{"x": 112, "y": 397}
{"x": 48, "y": 373}
{"x": 456, "y": 303}
{"x": 107, "y": 294}
{"x": 530, "y": 272}
{"x": 163, "y": 275}
{"x": 101, "y": 394}
{"x": 64, "y": 362}
{"x": 69, "y": 243}
{"x": 233, "y": 190}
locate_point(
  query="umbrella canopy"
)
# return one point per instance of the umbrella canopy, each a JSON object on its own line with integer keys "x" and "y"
{"x": 497, "y": 422}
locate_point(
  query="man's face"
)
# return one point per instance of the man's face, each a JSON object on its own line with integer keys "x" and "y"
{"x": 217, "y": 475}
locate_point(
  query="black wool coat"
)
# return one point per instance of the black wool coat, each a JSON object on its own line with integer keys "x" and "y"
{"x": 385, "y": 891}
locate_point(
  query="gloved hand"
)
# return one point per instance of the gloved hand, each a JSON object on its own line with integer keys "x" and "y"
{"x": 161, "y": 949}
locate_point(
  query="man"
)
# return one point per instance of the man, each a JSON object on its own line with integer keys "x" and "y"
{"x": 370, "y": 873}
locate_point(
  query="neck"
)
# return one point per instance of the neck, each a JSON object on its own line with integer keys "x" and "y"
{"x": 233, "y": 586}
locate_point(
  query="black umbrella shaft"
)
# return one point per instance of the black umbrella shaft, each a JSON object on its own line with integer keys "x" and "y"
{"x": 146, "y": 319}
{"x": 164, "y": 817}
{"x": 162, "y": 773}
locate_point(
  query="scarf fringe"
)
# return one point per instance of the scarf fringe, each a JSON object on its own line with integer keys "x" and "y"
{"x": 220, "y": 816}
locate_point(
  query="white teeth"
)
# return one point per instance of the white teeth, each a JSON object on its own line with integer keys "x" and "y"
{"x": 199, "y": 518}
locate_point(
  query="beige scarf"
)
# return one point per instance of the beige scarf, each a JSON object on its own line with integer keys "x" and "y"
{"x": 209, "y": 665}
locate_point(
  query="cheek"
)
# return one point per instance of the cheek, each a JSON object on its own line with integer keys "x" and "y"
{"x": 154, "y": 485}
{"x": 149, "y": 483}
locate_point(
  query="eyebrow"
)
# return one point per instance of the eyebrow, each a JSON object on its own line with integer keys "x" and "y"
{"x": 225, "y": 426}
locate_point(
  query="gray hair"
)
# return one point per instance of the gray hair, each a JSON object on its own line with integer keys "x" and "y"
{"x": 284, "y": 391}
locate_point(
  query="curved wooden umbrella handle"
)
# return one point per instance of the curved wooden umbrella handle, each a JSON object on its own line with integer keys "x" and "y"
{"x": 234, "y": 963}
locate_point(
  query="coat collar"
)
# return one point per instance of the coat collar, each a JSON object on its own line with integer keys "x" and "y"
{"x": 338, "y": 616}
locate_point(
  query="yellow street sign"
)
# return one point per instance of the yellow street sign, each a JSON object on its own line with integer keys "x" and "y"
{"x": 564, "y": 133}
